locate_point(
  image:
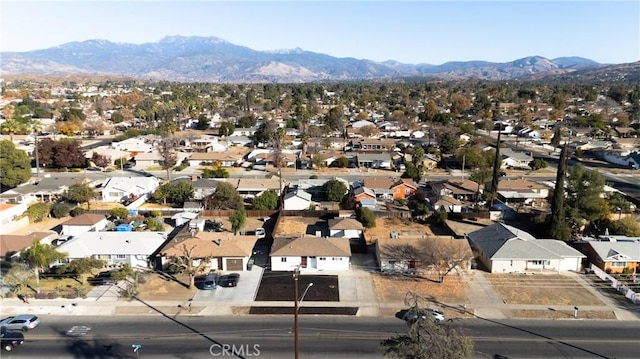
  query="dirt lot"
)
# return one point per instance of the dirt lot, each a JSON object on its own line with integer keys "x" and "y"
{"x": 542, "y": 289}
{"x": 158, "y": 287}
{"x": 276, "y": 286}
{"x": 393, "y": 288}
{"x": 386, "y": 225}
{"x": 291, "y": 226}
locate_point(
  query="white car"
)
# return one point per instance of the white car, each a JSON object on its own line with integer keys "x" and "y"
{"x": 411, "y": 316}
{"x": 261, "y": 233}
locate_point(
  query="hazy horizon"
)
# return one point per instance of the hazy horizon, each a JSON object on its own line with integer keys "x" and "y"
{"x": 431, "y": 32}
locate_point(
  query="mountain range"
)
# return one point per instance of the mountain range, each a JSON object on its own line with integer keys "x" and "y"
{"x": 211, "y": 59}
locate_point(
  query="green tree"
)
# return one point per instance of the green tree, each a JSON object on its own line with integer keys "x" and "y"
{"x": 68, "y": 154}
{"x": 40, "y": 256}
{"x": 226, "y": 128}
{"x": 448, "y": 143}
{"x": 80, "y": 192}
{"x": 335, "y": 190}
{"x": 61, "y": 209}
{"x": 626, "y": 226}
{"x": 584, "y": 194}
{"x": 417, "y": 155}
{"x": 413, "y": 172}
{"x": 559, "y": 228}
{"x": 15, "y": 165}
{"x": 495, "y": 178}
{"x": 425, "y": 339}
{"x": 538, "y": 163}
{"x": 18, "y": 275}
{"x": 203, "y": 123}
{"x": 82, "y": 266}
{"x": 162, "y": 193}
{"x": 340, "y": 162}
{"x": 366, "y": 217}
{"x": 37, "y": 212}
{"x": 181, "y": 191}
{"x": 224, "y": 197}
{"x": 480, "y": 176}
{"x": 268, "y": 200}
{"x": 119, "y": 212}
{"x": 238, "y": 220}
{"x": 155, "y": 224}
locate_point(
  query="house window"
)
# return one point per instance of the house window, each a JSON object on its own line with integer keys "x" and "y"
{"x": 115, "y": 194}
{"x": 323, "y": 258}
{"x": 619, "y": 264}
{"x": 336, "y": 258}
{"x": 283, "y": 259}
{"x": 539, "y": 262}
{"x": 121, "y": 256}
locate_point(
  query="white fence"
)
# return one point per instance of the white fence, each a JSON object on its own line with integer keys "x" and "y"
{"x": 621, "y": 288}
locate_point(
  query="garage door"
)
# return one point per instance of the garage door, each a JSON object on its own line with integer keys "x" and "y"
{"x": 234, "y": 264}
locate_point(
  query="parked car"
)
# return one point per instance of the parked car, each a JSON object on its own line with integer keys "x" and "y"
{"x": 10, "y": 339}
{"x": 412, "y": 315}
{"x": 209, "y": 282}
{"x": 261, "y": 233}
{"x": 229, "y": 280}
{"x": 102, "y": 278}
{"x": 22, "y": 322}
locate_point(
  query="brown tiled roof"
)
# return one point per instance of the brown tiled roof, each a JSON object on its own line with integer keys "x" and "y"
{"x": 10, "y": 243}
{"x": 86, "y": 219}
{"x": 205, "y": 245}
{"x": 345, "y": 223}
{"x": 379, "y": 182}
{"x": 311, "y": 246}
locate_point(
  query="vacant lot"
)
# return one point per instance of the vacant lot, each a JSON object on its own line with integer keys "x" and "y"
{"x": 385, "y": 225}
{"x": 542, "y": 289}
{"x": 394, "y": 288}
{"x": 164, "y": 287}
{"x": 297, "y": 226}
{"x": 276, "y": 286}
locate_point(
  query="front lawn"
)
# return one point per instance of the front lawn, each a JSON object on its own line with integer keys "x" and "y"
{"x": 52, "y": 288}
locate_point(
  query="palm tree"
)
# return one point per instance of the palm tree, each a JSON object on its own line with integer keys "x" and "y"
{"x": 39, "y": 256}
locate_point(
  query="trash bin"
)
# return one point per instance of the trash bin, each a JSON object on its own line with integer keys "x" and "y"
{"x": 250, "y": 264}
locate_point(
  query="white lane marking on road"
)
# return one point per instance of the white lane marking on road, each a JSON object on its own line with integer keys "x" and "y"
{"x": 78, "y": 330}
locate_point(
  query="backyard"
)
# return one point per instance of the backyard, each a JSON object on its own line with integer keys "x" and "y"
{"x": 385, "y": 225}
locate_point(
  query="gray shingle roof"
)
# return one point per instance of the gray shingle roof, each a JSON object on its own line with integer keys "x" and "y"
{"x": 501, "y": 241}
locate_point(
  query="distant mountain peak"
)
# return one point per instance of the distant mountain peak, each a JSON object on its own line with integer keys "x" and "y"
{"x": 296, "y": 50}
{"x": 212, "y": 59}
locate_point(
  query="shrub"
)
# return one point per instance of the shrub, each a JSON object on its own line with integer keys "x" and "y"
{"x": 38, "y": 212}
{"x": 366, "y": 217}
{"x": 61, "y": 209}
{"x": 77, "y": 211}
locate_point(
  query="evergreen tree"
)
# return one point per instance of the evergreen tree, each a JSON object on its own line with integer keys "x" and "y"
{"x": 496, "y": 170}
{"x": 559, "y": 228}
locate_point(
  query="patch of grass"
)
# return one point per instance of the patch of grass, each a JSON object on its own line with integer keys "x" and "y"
{"x": 56, "y": 288}
{"x": 541, "y": 289}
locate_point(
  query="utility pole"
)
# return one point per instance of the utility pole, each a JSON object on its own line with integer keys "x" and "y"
{"x": 86, "y": 191}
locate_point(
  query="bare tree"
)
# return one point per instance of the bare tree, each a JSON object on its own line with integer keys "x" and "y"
{"x": 185, "y": 261}
{"x": 445, "y": 255}
{"x": 425, "y": 339}
{"x": 166, "y": 148}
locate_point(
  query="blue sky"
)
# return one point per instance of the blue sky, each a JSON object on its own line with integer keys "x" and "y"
{"x": 424, "y": 31}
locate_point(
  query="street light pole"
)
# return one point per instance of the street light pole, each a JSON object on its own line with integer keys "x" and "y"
{"x": 296, "y": 275}
{"x": 296, "y": 308}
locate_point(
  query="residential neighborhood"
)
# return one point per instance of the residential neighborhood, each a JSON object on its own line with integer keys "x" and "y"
{"x": 379, "y": 206}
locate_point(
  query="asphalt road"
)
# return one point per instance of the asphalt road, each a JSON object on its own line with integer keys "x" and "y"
{"x": 320, "y": 337}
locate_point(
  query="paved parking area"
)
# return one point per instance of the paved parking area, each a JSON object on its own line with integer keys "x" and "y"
{"x": 245, "y": 291}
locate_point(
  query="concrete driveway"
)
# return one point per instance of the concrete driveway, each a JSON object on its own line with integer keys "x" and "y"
{"x": 245, "y": 291}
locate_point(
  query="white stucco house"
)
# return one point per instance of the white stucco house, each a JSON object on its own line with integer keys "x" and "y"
{"x": 116, "y": 189}
{"x": 345, "y": 228}
{"x": 115, "y": 248}
{"x": 297, "y": 200}
{"x": 506, "y": 249}
{"x": 310, "y": 253}
{"x": 86, "y": 222}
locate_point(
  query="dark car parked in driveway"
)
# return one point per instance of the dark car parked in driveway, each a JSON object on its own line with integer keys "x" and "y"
{"x": 101, "y": 278}
{"x": 229, "y": 280}
{"x": 10, "y": 339}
